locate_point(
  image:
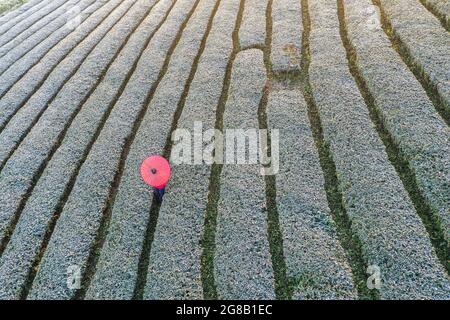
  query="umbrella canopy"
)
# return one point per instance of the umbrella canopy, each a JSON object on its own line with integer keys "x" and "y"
{"x": 155, "y": 171}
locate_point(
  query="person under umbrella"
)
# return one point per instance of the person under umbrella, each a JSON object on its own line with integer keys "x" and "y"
{"x": 155, "y": 171}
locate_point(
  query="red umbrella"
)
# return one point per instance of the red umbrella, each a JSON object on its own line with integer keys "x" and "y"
{"x": 155, "y": 171}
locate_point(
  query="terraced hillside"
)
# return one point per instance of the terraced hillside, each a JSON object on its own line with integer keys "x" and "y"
{"x": 358, "y": 90}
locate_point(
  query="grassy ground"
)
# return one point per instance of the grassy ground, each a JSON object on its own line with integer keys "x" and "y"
{"x": 6, "y": 5}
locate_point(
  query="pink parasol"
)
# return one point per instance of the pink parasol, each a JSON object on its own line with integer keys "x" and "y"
{"x": 155, "y": 171}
